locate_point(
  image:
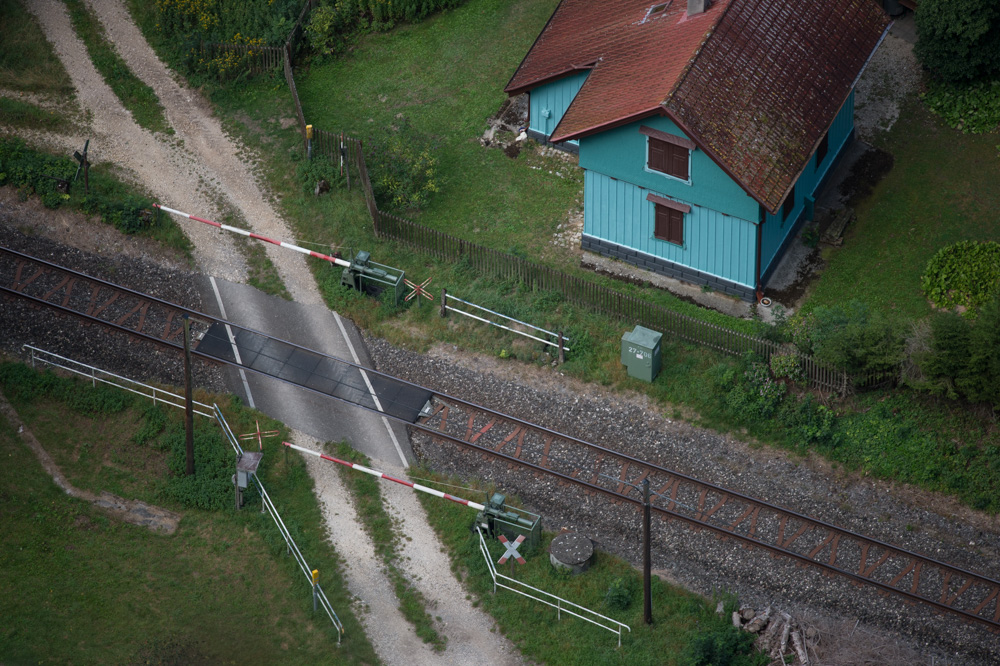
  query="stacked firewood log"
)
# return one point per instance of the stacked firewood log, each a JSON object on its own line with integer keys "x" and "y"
{"x": 779, "y": 635}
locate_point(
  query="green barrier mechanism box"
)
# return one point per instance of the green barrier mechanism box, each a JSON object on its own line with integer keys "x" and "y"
{"x": 641, "y": 353}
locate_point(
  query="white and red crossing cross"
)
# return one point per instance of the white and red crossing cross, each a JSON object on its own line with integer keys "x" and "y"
{"x": 511, "y": 547}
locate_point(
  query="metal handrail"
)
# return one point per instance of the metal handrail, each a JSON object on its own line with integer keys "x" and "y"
{"x": 293, "y": 548}
{"x": 560, "y": 609}
{"x": 157, "y": 394}
{"x": 506, "y": 328}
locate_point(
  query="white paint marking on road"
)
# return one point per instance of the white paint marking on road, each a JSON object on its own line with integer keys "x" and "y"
{"x": 232, "y": 341}
{"x": 371, "y": 389}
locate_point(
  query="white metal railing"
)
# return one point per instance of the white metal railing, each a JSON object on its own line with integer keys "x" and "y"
{"x": 560, "y": 341}
{"x": 293, "y": 548}
{"x": 95, "y": 374}
{"x": 561, "y": 605}
{"x": 213, "y": 412}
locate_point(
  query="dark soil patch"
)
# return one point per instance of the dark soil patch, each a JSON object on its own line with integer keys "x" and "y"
{"x": 867, "y": 171}
{"x": 808, "y": 270}
{"x": 512, "y": 150}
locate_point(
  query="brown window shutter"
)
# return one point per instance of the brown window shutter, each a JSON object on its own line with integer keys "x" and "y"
{"x": 675, "y": 232}
{"x": 658, "y": 155}
{"x": 678, "y": 162}
{"x": 669, "y": 225}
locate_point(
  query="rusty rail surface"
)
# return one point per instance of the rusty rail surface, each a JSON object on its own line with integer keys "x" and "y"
{"x": 858, "y": 558}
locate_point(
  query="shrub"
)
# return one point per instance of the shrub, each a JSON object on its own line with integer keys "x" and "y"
{"x": 401, "y": 167}
{"x": 756, "y": 396}
{"x": 800, "y": 328}
{"x": 981, "y": 381}
{"x": 320, "y": 167}
{"x": 331, "y": 25}
{"x": 959, "y": 41}
{"x": 855, "y": 339}
{"x": 725, "y": 646}
{"x": 787, "y": 365}
{"x": 26, "y": 169}
{"x": 619, "y": 594}
{"x": 970, "y": 108}
{"x": 959, "y": 358}
{"x": 210, "y": 487}
{"x": 192, "y": 21}
{"x": 941, "y": 354}
{"x": 963, "y": 275}
{"x": 809, "y": 422}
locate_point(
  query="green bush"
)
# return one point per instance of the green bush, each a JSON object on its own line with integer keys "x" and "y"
{"x": 981, "y": 381}
{"x": 787, "y": 365}
{"x": 401, "y": 166}
{"x": 23, "y": 384}
{"x": 620, "y": 593}
{"x": 971, "y": 108}
{"x": 800, "y": 328}
{"x": 27, "y": 169}
{"x": 855, "y": 339}
{"x": 320, "y": 167}
{"x": 725, "y": 646}
{"x": 211, "y": 486}
{"x": 963, "y": 275}
{"x": 959, "y": 41}
{"x": 227, "y": 21}
{"x": 809, "y": 422}
{"x": 755, "y": 397}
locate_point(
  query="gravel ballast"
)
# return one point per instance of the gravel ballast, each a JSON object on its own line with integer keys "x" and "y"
{"x": 909, "y": 518}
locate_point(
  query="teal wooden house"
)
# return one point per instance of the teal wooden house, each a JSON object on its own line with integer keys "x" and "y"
{"x": 704, "y": 129}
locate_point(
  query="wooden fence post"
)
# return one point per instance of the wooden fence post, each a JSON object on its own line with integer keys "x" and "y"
{"x": 444, "y": 302}
{"x": 562, "y": 349}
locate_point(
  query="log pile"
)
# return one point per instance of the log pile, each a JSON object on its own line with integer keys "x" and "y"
{"x": 779, "y": 635}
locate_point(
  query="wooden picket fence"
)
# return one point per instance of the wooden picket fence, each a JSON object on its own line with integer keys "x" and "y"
{"x": 254, "y": 59}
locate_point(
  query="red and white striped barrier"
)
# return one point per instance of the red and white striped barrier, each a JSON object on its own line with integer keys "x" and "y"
{"x": 244, "y": 232}
{"x": 380, "y": 475}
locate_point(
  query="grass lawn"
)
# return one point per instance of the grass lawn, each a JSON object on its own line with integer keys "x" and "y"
{"x": 83, "y": 587}
{"x": 445, "y": 76}
{"x": 27, "y": 62}
{"x": 944, "y": 187}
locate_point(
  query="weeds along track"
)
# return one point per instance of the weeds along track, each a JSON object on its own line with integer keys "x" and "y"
{"x": 872, "y": 564}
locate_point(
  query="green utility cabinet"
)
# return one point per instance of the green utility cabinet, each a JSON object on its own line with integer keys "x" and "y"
{"x": 641, "y": 353}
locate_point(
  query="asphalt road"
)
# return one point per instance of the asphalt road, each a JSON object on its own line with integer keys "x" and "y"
{"x": 317, "y": 328}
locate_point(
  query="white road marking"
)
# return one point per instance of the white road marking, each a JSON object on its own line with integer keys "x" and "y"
{"x": 371, "y": 389}
{"x": 232, "y": 341}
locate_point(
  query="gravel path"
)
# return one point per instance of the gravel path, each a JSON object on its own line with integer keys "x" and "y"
{"x": 189, "y": 172}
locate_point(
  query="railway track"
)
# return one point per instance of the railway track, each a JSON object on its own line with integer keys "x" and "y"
{"x": 871, "y": 563}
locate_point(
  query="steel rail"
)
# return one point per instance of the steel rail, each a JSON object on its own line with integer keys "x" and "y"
{"x": 700, "y": 519}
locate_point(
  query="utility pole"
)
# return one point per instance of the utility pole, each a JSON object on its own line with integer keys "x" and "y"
{"x": 647, "y": 595}
{"x": 188, "y": 398}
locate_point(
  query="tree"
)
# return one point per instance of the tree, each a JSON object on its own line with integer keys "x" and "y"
{"x": 959, "y": 42}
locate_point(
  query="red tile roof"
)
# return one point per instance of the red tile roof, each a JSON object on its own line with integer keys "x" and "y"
{"x": 755, "y": 83}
